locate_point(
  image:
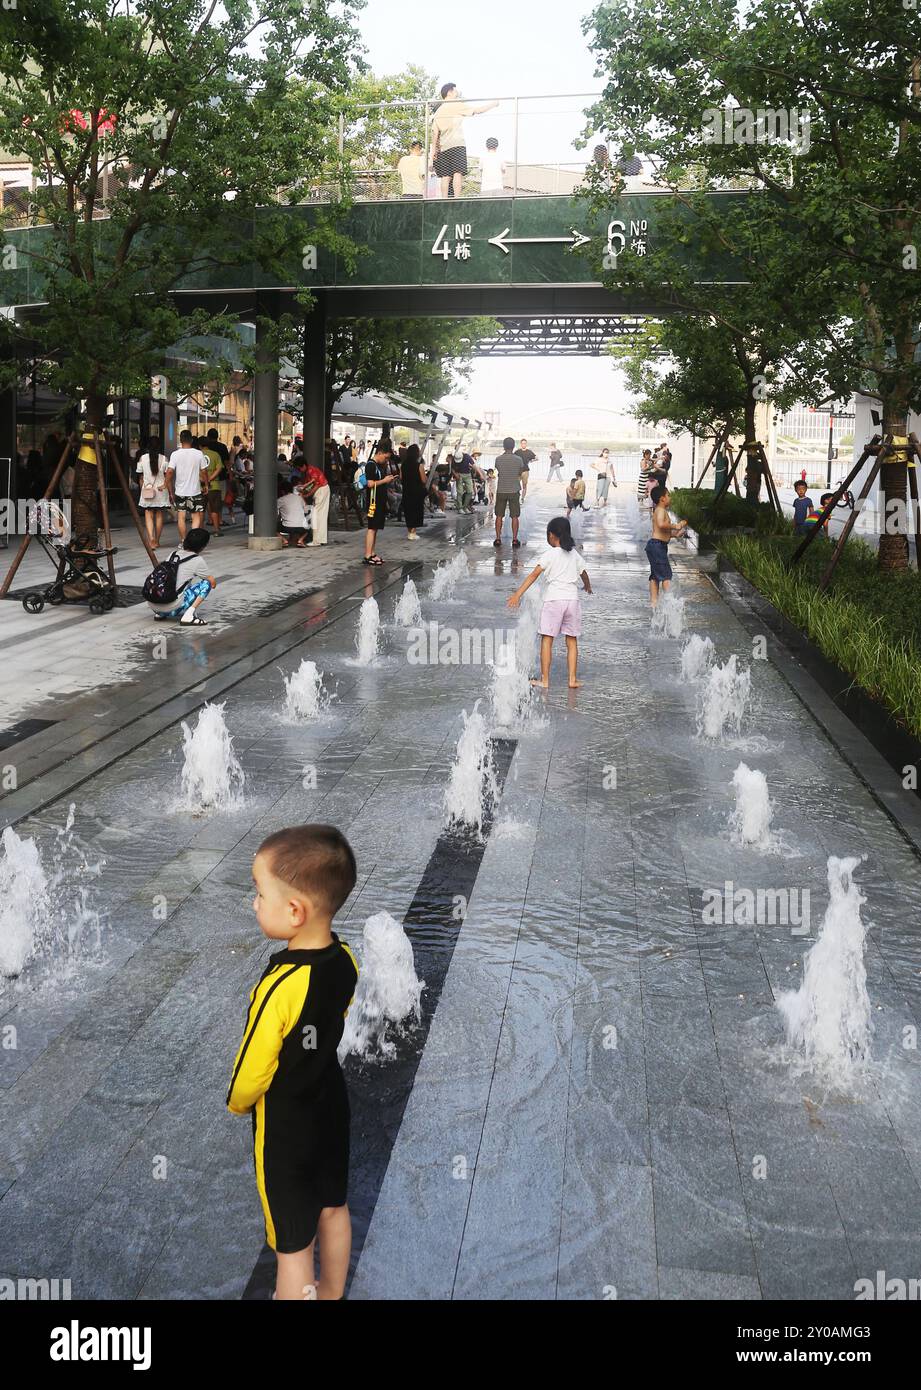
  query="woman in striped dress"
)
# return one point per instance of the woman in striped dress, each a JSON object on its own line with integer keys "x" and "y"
{"x": 642, "y": 485}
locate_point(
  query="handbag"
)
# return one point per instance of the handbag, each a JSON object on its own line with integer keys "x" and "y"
{"x": 149, "y": 490}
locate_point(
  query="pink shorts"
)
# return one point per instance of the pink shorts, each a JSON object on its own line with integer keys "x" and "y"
{"x": 561, "y": 616}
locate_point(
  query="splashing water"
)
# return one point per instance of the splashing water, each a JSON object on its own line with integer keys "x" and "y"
{"x": 388, "y": 993}
{"x": 46, "y": 916}
{"x": 668, "y": 616}
{"x": 696, "y": 657}
{"x": 367, "y": 640}
{"x": 526, "y": 629}
{"x": 750, "y": 821}
{"x": 24, "y": 905}
{"x": 472, "y": 790}
{"x": 510, "y": 692}
{"x": 636, "y": 519}
{"x": 828, "y": 1018}
{"x": 408, "y": 612}
{"x": 212, "y": 778}
{"x": 305, "y": 697}
{"x": 444, "y": 580}
{"x": 723, "y": 699}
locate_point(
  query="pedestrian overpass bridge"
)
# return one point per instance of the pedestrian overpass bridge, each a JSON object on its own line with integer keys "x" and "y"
{"x": 455, "y": 257}
{"x": 506, "y": 257}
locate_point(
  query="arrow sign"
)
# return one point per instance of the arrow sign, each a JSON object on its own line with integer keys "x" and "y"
{"x": 504, "y": 241}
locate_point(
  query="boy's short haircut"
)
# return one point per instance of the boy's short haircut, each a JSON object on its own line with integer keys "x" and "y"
{"x": 315, "y": 859}
{"x": 196, "y": 540}
{"x": 658, "y": 492}
{"x": 492, "y": 143}
{"x": 799, "y": 483}
{"x": 416, "y": 145}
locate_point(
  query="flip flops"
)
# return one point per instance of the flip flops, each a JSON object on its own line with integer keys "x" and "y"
{"x": 372, "y": 560}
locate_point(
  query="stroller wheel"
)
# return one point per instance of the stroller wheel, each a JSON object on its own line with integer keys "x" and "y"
{"x": 97, "y": 605}
{"x": 33, "y": 603}
{"x": 109, "y": 602}
{"x": 55, "y": 594}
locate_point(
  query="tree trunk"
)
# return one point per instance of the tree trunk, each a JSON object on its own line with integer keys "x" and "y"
{"x": 84, "y": 503}
{"x": 893, "y": 478}
{"x": 753, "y": 461}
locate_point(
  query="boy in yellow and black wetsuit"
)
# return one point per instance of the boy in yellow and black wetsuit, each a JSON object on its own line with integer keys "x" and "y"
{"x": 287, "y": 1073}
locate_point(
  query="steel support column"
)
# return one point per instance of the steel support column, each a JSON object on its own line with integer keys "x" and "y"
{"x": 265, "y": 452}
{"x": 314, "y": 369}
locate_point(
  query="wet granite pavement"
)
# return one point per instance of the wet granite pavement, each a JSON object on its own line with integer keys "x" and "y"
{"x": 600, "y": 1105}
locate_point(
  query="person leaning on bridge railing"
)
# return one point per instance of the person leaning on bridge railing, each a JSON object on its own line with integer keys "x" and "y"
{"x": 449, "y": 146}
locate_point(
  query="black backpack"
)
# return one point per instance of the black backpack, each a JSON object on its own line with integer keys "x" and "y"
{"x": 161, "y": 585}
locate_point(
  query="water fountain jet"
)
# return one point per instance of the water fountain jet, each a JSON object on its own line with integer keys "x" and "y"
{"x": 472, "y": 790}
{"x": 388, "y": 993}
{"x": 723, "y": 699}
{"x": 750, "y": 821}
{"x": 212, "y": 778}
{"x": 828, "y": 1019}
{"x": 305, "y": 697}
{"x": 408, "y": 611}
{"x": 446, "y": 576}
{"x": 367, "y": 640}
{"x": 696, "y": 657}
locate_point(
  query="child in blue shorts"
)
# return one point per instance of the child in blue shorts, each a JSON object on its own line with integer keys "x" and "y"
{"x": 663, "y": 530}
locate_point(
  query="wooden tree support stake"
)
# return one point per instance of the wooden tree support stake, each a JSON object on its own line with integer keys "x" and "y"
{"x": 721, "y": 441}
{"x": 913, "y": 494}
{"x": 833, "y": 502}
{"x": 884, "y": 449}
{"x": 73, "y": 446}
{"x": 730, "y": 477}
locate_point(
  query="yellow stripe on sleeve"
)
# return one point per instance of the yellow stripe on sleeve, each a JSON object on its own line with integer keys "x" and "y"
{"x": 276, "y": 1005}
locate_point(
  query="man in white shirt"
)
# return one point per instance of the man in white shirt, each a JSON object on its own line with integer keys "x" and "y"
{"x": 492, "y": 170}
{"x": 411, "y": 169}
{"x": 187, "y": 480}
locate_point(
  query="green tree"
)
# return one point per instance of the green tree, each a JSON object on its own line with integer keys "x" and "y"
{"x": 197, "y": 115}
{"x": 423, "y": 358}
{"x": 681, "y": 373}
{"x": 734, "y": 343}
{"x": 378, "y": 132}
{"x": 709, "y": 87}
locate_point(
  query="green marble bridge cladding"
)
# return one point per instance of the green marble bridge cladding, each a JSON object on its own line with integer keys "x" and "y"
{"x": 403, "y": 244}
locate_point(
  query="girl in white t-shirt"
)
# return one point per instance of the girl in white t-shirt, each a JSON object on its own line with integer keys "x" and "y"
{"x": 561, "y": 566}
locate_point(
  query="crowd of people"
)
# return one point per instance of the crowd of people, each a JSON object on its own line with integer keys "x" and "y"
{"x": 204, "y": 484}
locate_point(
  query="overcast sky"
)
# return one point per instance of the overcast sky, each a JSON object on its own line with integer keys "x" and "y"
{"x": 503, "y": 48}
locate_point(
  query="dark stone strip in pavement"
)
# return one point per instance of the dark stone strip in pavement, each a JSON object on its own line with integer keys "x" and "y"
{"x": 252, "y": 646}
{"x": 432, "y": 925}
{"x": 47, "y": 628}
{"x": 22, "y": 729}
{"x": 869, "y": 765}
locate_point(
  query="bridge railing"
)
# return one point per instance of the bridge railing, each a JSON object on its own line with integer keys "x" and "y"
{"x": 543, "y": 147}
{"x": 513, "y": 146}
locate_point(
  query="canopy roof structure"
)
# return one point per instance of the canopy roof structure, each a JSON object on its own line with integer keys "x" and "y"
{"x": 372, "y": 409}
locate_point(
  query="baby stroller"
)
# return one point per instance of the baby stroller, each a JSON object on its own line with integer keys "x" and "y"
{"x": 78, "y": 578}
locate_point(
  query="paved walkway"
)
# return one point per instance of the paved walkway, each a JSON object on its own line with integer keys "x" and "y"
{"x": 600, "y": 1082}
{"x": 67, "y": 651}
